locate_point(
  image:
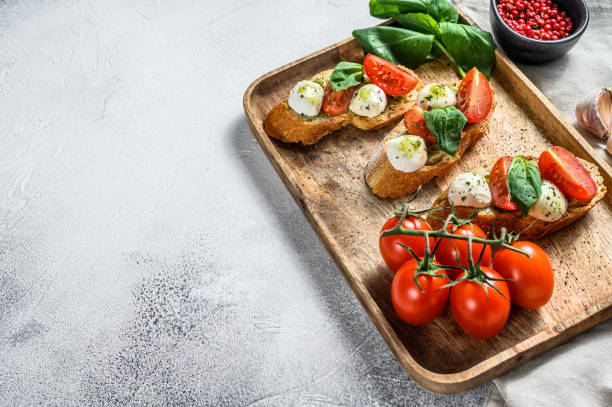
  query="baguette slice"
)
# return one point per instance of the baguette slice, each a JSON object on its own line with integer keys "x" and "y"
{"x": 285, "y": 125}
{"x": 514, "y": 221}
{"x": 387, "y": 182}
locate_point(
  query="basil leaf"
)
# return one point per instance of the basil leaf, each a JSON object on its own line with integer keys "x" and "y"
{"x": 392, "y": 8}
{"x": 468, "y": 47}
{"x": 524, "y": 183}
{"x": 397, "y": 45}
{"x": 446, "y": 125}
{"x": 435, "y": 52}
{"x": 440, "y": 10}
{"x": 419, "y": 22}
{"x": 345, "y": 75}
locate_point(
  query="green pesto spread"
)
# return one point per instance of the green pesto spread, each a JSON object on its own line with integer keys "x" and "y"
{"x": 410, "y": 145}
{"x": 364, "y": 93}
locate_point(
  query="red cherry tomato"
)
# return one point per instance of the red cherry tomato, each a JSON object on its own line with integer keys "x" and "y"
{"x": 337, "y": 101}
{"x": 446, "y": 253}
{"x": 412, "y": 305}
{"x": 498, "y": 182}
{"x": 390, "y": 78}
{"x": 415, "y": 124}
{"x": 563, "y": 169}
{"x": 474, "y": 96}
{"x": 533, "y": 278}
{"x": 477, "y": 315}
{"x": 395, "y": 255}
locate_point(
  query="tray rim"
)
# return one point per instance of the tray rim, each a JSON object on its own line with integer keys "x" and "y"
{"x": 443, "y": 383}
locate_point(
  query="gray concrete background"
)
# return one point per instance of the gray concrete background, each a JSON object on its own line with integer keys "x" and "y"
{"x": 149, "y": 253}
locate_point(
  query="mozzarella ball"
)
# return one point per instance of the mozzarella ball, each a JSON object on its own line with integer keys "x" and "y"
{"x": 470, "y": 189}
{"x": 552, "y": 204}
{"x": 306, "y": 98}
{"x": 368, "y": 101}
{"x": 434, "y": 96}
{"x": 407, "y": 153}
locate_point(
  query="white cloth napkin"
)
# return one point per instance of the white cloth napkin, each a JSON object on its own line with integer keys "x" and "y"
{"x": 578, "y": 373}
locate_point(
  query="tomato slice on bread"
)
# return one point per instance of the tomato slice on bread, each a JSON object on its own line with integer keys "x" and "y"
{"x": 389, "y": 77}
{"x": 337, "y": 101}
{"x": 415, "y": 124}
{"x": 474, "y": 96}
{"x": 563, "y": 169}
{"x": 498, "y": 183}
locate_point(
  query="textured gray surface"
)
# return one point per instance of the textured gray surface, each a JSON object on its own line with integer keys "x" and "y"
{"x": 149, "y": 253}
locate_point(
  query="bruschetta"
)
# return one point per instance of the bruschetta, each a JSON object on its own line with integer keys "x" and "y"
{"x": 568, "y": 188}
{"x": 445, "y": 122}
{"x": 378, "y": 95}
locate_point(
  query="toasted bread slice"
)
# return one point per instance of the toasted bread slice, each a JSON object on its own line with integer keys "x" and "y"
{"x": 514, "y": 221}
{"x": 285, "y": 125}
{"x": 387, "y": 182}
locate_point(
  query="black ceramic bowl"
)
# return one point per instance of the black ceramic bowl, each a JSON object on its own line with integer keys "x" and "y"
{"x": 529, "y": 50}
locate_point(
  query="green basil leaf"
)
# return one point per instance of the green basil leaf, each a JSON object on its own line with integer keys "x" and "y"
{"x": 524, "y": 183}
{"x": 345, "y": 75}
{"x": 397, "y": 45}
{"x": 392, "y": 8}
{"x": 468, "y": 46}
{"x": 419, "y": 22}
{"x": 442, "y": 10}
{"x": 435, "y": 52}
{"x": 446, "y": 125}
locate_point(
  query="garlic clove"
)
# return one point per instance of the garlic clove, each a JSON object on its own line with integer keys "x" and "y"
{"x": 595, "y": 113}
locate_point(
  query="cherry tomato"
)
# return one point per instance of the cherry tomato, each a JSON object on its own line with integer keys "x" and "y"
{"x": 477, "y": 315}
{"x": 563, "y": 169}
{"x": 415, "y": 123}
{"x": 412, "y": 305}
{"x": 395, "y": 255}
{"x": 390, "y": 78}
{"x": 337, "y": 101}
{"x": 533, "y": 278}
{"x": 498, "y": 182}
{"x": 474, "y": 96}
{"x": 446, "y": 253}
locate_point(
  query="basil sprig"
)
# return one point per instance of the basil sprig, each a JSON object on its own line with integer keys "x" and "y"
{"x": 464, "y": 45}
{"x": 524, "y": 183}
{"x": 446, "y": 124}
{"x": 345, "y": 75}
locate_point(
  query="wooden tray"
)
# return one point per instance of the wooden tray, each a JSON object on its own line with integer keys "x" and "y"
{"x": 327, "y": 183}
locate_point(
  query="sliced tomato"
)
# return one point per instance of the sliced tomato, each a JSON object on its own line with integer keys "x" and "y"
{"x": 498, "y": 182}
{"x": 337, "y": 101}
{"x": 474, "y": 96}
{"x": 390, "y": 78}
{"x": 415, "y": 123}
{"x": 563, "y": 169}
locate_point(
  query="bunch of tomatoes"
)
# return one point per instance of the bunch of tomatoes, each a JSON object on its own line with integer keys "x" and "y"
{"x": 429, "y": 274}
